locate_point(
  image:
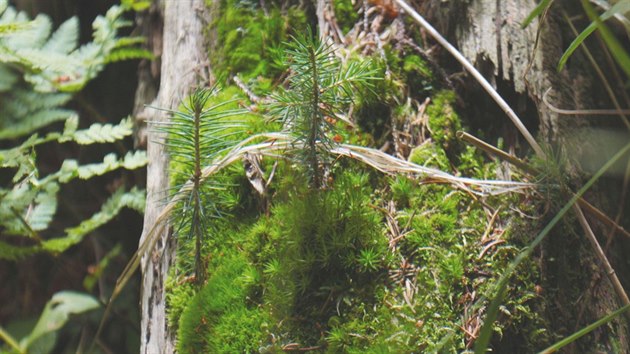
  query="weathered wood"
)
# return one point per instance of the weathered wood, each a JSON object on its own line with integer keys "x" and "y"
{"x": 184, "y": 66}
{"x": 489, "y": 35}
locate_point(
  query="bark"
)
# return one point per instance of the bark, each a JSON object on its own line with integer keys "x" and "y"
{"x": 489, "y": 34}
{"x": 183, "y": 67}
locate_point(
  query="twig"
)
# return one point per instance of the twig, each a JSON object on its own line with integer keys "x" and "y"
{"x": 480, "y": 144}
{"x": 610, "y": 272}
{"x": 250, "y": 94}
{"x": 592, "y": 112}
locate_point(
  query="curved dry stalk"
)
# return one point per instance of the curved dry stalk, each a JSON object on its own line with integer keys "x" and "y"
{"x": 594, "y": 112}
{"x": 392, "y": 165}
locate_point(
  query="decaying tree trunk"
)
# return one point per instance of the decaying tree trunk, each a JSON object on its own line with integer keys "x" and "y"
{"x": 183, "y": 67}
{"x": 522, "y": 63}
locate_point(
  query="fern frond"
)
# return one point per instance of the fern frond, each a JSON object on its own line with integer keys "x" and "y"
{"x": 120, "y": 54}
{"x": 45, "y": 206}
{"x": 136, "y": 5}
{"x": 64, "y": 40}
{"x": 104, "y": 133}
{"x": 133, "y": 199}
{"x": 128, "y": 41}
{"x": 34, "y": 33}
{"x": 11, "y": 28}
{"x": 70, "y": 169}
{"x": 10, "y": 252}
{"x": 8, "y": 78}
{"x": 36, "y": 121}
{"x": 12, "y": 205}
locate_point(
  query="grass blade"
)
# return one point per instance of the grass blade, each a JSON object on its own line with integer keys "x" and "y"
{"x": 577, "y": 335}
{"x": 536, "y": 12}
{"x": 617, "y": 8}
{"x": 485, "y": 334}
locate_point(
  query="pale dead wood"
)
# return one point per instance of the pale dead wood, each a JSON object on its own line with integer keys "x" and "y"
{"x": 183, "y": 67}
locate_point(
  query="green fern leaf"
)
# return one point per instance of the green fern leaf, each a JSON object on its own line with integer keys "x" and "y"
{"x": 129, "y": 41}
{"x": 65, "y": 38}
{"x": 70, "y": 169}
{"x": 134, "y": 199}
{"x": 45, "y": 207}
{"x": 8, "y": 78}
{"x": 70, "y": 128}
{"x": 127, "y": 54}
{"x": 10, "y": 28}
{"x": 33, "y": 35}
{"x": 23, "y": 102}
{"x": 36, "y": 121}
{"x": 136, "y": 5}
{"x": 13, "y": 207}
{"x": 10, "y": 252}
{"x": 107, "y": 133}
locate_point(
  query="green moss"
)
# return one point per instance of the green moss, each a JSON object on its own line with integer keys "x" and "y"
{"x": 218, "y": 318}
{"x": 320, "y": 268}
{"x": 430, "y": 155}
{"x": 247, "y": 37}
{"x": 179, "y": 292}
{"x": 346, "y": 14}
{"x": 444, "y": 122}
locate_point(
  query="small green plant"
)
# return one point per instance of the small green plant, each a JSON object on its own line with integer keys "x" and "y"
{"x": 319, "y": 87}
{"x": 57, "y": 312}
{"x": 39, "y": 71}
{"x": 196, "y": 136}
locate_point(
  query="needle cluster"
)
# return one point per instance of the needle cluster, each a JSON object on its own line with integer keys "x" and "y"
{"x": 197, "y": 134}
{"x": 319, "y": 88}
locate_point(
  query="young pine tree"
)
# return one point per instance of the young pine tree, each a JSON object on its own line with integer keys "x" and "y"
{"x": 197, "y": 134}
{"x": 320, "y": 87}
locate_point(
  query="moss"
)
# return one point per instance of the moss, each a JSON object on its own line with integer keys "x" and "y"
{"x": 444, "y": 121}
{"x": 312, "y": 272}
{"x": 346, "y": 14}
{"x": 418, "y": 74}
{"x": 320, "y": 268}
{"x": 218, "y": 319}
{"x": 430, "y": 155}
{"x": 247, "y": 36}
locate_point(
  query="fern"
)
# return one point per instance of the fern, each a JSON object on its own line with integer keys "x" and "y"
{"x": 30, "y": 205}
{"x": 107, "y": 133}
{"x": 35, "y": 65}
{"x": 70, "y": 169}
{"x": 133, "y": 199}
